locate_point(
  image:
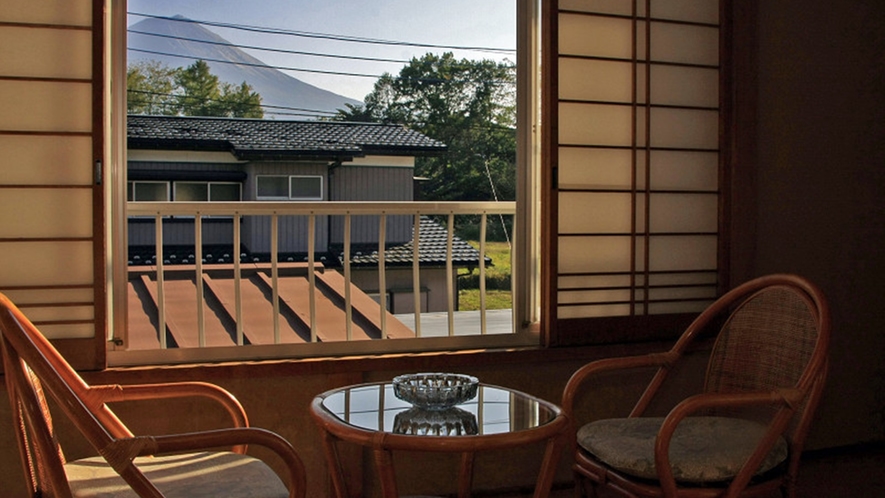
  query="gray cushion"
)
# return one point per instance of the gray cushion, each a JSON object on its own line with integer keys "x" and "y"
{"x": 703, "y": 449}
{"x": 209, "y": 474}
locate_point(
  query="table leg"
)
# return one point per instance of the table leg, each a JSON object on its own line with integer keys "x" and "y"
{"x": 552, "y": 454}
{"x": 333, "y": 461}
{"x": 386, "y": 473}
{"x": 465, "y": 479}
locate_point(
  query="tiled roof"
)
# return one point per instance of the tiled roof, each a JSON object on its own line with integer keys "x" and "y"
{"x": 431, "y": 250}
{"x": 253, "y": 138}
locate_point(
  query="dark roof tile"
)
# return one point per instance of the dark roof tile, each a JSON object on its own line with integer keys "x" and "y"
{"x": 431, "y": 250}
{"x": 248, "y": 138}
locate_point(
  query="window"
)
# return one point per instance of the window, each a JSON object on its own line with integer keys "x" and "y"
{"x": 279, "y": 185}
{"x": 294, "y": 188}
{"x": 207, "y": 191}
{"x": 148, "y": 191}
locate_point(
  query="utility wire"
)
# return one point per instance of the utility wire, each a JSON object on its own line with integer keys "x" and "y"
{"x": 269, "y": 49}
{"x": 263, "y": 106}
{"x": 326, "y": 36}
{"x": 316, "y": 71}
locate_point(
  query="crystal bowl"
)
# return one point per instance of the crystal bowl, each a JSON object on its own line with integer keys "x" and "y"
{"x": 435, "y": 391}
{"x": 449, "y": 422}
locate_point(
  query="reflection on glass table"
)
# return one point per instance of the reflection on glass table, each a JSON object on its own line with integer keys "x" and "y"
{"x": 497, "y": 417}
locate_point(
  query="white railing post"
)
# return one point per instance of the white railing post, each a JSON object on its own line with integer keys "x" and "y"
{"x": 311, "y": 274}
{"x": 161, "y": 284}
{"x": 198, "y": 274}
{"x": 238, "y": 298}
{"x": 382, "y": 273}
{"x": 450, "y": 274}
{"x": 348, "y": 306}
{"x": 482, "y": 274}
{"x": 416, "y": 268}
{"x": 275, "y": 275}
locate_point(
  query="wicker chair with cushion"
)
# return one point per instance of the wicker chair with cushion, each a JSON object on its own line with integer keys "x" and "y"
{"x": 741, "y": 436}
{"x": 174, "y": 465}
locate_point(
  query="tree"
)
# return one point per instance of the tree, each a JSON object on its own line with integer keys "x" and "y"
{"x": 149, "y": 86}
{"x": 470, "y": 106}
{"x": 154, "y": 88}
{"x": 201, "y": 95}
{"x": 240, "y": 101}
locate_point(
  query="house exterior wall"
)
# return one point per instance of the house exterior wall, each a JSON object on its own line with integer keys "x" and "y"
{"x": 399, "y": 286}
{"x": 371, "y": 183}
{"x": 292, "y": 229}
{"x": 142, "y": 232}
{"x": 366, "y": 180}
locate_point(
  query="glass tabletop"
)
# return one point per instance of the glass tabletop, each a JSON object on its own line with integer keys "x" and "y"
{"x": 494, "y": 410}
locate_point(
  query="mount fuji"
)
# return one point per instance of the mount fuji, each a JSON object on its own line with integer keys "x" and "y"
{"x": 174, "y": 48}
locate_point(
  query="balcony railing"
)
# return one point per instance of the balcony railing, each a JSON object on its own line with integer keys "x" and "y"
{"x": 320, "y": 225}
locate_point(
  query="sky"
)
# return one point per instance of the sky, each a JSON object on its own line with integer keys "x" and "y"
{"x": 458, "y": 23}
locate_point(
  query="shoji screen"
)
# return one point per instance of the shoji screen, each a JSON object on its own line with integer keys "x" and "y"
{"x": 634, "y": 116}
{"x": 51, "y": 229}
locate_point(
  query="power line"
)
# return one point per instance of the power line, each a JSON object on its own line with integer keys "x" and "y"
{"x": 313, "y": 112}
{"x": 252, "y": 64}
{"x": 316, "y": 71}
{"x": 326, "y": 36}
{"x": 270, "y": 49}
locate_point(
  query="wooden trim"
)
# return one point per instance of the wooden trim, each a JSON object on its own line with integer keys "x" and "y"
{"x": 80, "y": 353}
{"x": 549, "y": 165}
{"x": 360, "y": 368}
{"x": 7, "y": 24}
{"x": 621, "y": 329}
{"x": 726, "y": 142}
{"x": 99, "y": 242}
{"x": 45, "y": 79}
{"x": 47, "y": 133}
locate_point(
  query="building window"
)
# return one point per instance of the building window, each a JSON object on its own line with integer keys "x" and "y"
{"x": 290, "y": 188}
{"x": 148, "y": 191}
{"x": 207, "y": 191}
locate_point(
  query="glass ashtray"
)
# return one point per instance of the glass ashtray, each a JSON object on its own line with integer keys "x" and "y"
{"x": 449, "y": 422}
{"x": 435, "y": 391}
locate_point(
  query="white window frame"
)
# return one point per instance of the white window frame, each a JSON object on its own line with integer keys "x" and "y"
{"x": 134, "y": 184}
{"x": 526, "y": 245}
{"x": 209, "y": 185}
{"x": 290, "y": 197}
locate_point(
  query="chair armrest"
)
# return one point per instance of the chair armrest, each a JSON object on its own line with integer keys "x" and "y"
{"x": 786, "y": 399}
{"x": 137, "y": 392}
{"x": 121, "y": 452}
{"x": 97, "y": 396}
{"x": 575, "y": 383}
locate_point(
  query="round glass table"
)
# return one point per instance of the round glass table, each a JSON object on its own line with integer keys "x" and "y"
{"x": 371, "y": 415}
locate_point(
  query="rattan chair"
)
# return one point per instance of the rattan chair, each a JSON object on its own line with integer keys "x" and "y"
{"x": 177, "y": 465}
{"x": 743, "y": 435}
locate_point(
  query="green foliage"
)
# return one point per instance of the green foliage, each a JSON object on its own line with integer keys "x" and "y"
{"x": 470, "y": 106}
{"x": 468, "y": 300}
{"x": 498, "y": 273}
{"x": 154, "y": 88}
{"x": 149, "y": 87}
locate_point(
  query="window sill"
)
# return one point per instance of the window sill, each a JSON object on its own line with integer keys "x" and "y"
{"x": 425, "y": 361}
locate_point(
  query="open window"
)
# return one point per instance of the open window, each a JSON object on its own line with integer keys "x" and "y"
{"x": 378, "y": 164}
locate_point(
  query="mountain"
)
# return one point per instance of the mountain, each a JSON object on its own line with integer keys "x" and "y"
{"x": 276, "y": 87}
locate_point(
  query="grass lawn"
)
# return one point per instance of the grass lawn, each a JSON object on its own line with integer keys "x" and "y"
{"x": 497, "y": 275}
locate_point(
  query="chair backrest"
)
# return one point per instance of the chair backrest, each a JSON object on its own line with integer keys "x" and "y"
{"x": 766, "y": 343}
{"x": 775, "y": 338}
{"x": 31, "y": 364}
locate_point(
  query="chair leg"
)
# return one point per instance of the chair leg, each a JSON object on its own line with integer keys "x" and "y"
{"x": 584, "y": 488}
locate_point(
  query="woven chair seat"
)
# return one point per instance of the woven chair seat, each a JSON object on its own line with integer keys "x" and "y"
{"x": 703, "y": 449}
{"x": 190, "y": 475}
